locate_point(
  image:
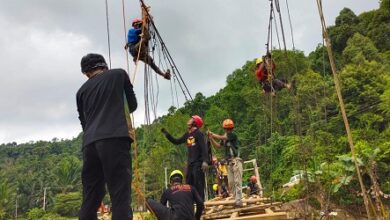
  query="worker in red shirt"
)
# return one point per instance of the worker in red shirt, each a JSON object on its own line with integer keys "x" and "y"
{"x": 265, "y": 74}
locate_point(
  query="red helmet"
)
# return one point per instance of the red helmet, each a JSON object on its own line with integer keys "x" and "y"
{"x": 197, "y": 120}
{"x": 253, "y": 179}
{"x": 136, "y": 21}
{"x": 228, "y": 124}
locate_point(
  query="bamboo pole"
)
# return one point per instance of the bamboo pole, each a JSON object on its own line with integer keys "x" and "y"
{"x": 342, "y": 108}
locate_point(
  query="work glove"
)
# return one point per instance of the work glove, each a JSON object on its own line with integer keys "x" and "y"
{"x": 164, "y": 131}
{"x": 205, "y": 166}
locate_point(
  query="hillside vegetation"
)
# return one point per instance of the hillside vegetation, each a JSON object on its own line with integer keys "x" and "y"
{"x": 299, "y": 131}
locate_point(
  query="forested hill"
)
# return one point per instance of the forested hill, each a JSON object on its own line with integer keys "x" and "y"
{"x": 297, "y": 130}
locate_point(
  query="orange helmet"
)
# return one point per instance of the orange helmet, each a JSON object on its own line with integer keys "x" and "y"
{"x": 228, "y": 123}
{"x": 253, "y": 179}
{"x": 197, "y": 120}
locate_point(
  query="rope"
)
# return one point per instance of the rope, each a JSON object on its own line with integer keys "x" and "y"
{"x": 276, "y": 29}
{"x": 137, "y": 178}
{"x": 166, "y": 53}
{"x": 291, "y": 27}
{"x": 281, "y": 23}
{"x": 131, "y": 130}
{"x": 324, "y": 75}
{"x": 124, "y": 30}
{"x": 269, "y": 25}
{"x": 108, "y": 33}
{"x": 177, "y": 97}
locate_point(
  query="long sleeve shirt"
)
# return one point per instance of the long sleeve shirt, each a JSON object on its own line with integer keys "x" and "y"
{"x": 101, "y": 104}
{"x": 196, "y": 146}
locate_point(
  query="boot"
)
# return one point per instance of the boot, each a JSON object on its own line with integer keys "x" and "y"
{"x": 167, "y": 75}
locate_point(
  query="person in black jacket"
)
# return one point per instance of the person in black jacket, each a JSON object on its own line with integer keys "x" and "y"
{"x": 181, "y": 198}
{"x": 103, "y": 102}
{"x": 197, "y": 153}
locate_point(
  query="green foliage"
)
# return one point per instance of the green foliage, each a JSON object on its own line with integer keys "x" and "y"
{"x": 360, "y": 46}
{"x": 51, "y": 216}
{"x": 67, "y": 204}
{"x": 68, "y": 172}
{"x": 35, "y": 213}
{"x": 291, "y": 194}
{"x": 346, "y": 17}
{"x": 5, "y": 198}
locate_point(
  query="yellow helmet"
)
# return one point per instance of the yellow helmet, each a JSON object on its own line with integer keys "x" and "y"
{"x": 215, "y": 187}
{"x": 176, "y": 172}
{"x": 259, "y": 60}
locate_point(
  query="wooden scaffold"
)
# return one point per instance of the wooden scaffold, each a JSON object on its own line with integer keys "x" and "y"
{"x": 254, "y": 207}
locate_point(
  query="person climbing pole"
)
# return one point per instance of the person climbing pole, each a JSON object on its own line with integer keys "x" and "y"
{"x": 229, "y": 141}
{"x": 137, "y": 38}
{"x": 265, "y": 74}
{"x": 102, "y": 102}
{"x": 181, "y": 198}
{"x": 252, "y": 187}
{"x": 197, "y": 158}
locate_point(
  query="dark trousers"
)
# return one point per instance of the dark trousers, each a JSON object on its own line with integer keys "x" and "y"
{"x": 143, "y": 55}
{"x": 277, "y": 85}
{"x": 162, "y": 212}
{"x": 195, "y": 177}
{"x": 108, "y": 162}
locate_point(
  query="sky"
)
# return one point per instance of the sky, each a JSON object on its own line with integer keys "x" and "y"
{"x": 42, "y": 42}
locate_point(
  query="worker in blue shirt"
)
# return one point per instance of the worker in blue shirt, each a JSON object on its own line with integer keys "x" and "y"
{"x": 134, "y": 43}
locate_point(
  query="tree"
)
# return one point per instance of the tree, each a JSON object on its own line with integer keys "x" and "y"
{"x": 5, "y": 199}
{"x": 360, "y": 48}
{"x": 67, "y": 204}
{"x": 68, "y": 173}
{"x": 343, "y": 30}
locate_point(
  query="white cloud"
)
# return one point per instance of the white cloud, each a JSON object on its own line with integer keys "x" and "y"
{"x": 40, "y": 76}
{"x": 42, "y": 42}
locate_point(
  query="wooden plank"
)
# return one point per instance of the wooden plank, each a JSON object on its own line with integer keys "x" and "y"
{"x": 273, "y": 216}
{"x": 234, "y": 215}
{"x": 232, "y": 202}
{"x": 249, "y": 169}
{"x": 211, "y": 210}
{"x": 278, "y": 216}
{"x": 228, "y": 212}
{"x": 268, "y": 211}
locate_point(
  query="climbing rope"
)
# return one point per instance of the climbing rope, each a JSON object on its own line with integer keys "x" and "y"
{"x": 291, "y": 27}
{"x": 108, "y": 33}
{"x": 175, "y": 70}
{"x": 281, "y": 23}
{"x": 125, "y": 34}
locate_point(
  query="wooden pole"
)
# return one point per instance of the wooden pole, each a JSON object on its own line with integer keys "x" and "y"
{"x": 342, "y": 108}
{"x": 44, "y": 199}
